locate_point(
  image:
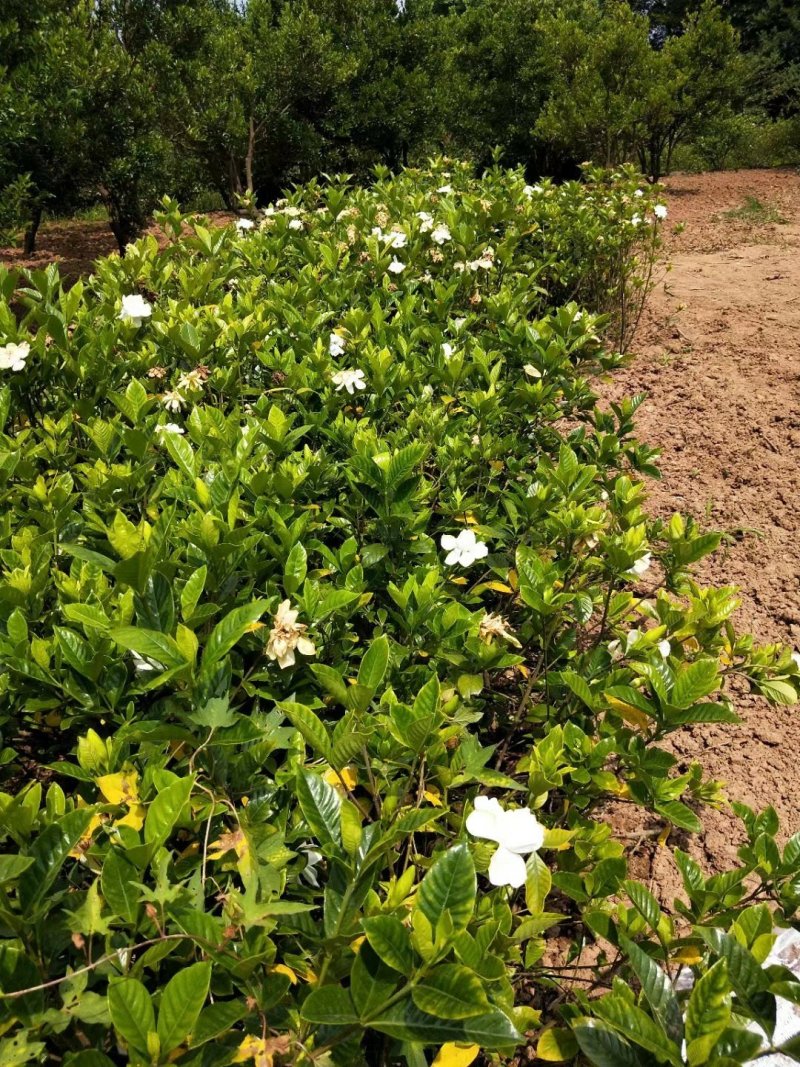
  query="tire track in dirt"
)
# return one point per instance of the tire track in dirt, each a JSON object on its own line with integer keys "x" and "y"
{"x": 718, "y": 355}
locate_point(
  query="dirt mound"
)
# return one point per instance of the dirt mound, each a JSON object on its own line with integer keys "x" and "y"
{"x": 718, "y": 354}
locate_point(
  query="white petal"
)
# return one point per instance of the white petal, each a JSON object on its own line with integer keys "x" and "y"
{"x": 480, "y": 550}
{"x": 452, "y": 558}
{"x": 521, "y": 832}
{"x": 466, "y": 539}
{"x": 448, "y": 541}
{"x": 506, "y": 868}
{"x": 665, "y": 648}
{"x": 483, "y": 821}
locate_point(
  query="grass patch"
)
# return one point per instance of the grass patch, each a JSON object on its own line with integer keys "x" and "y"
{"x": 755, "y": 212}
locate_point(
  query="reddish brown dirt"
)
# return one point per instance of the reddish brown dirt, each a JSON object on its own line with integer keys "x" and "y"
{"x": 718, "y": 355}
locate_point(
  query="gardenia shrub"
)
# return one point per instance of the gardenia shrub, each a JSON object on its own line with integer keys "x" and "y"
{"x": 332, "y": 629}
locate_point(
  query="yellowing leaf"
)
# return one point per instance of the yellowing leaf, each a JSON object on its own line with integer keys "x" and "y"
{"x": 346, "y": 778}
{"x": 455, "y": 1055}
{"x": 629, "y": 712}
{"x": 134, "y": 818}
{"x": 433, "y": 796}
{"x": 496, "y": 465}
{"x": 261, "y": 1050}
{"x": 662, "y": 837}
{"x": 281, "y": 968}
{"x": 499, "y": 587}
{"x": 356, "y": 943}
{"x": 513, "y": 579}
{"x": 120, "y": 788}
{"x": 85, "y": 841}
{"x": 688, "y": 955}
{"x": 556, "y": 1046}
{"x": 459, "y": 581}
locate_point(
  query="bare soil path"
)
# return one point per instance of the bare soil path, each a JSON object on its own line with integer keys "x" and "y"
{"x": 718, "y": 354}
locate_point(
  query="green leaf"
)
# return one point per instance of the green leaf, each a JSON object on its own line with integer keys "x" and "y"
{"x": 294, "y": 573}
{"x": 371, "y": 981}
{"x": 538, "y": 882}
{"x": 149, "y": 643}
{"x": 680, "y": 815}
{"x": 603, "y": 1047}
{"x": 181, "y": 451}
{"x": 451, "y": 992}
{"x": 48, "y": 852}
{"x": 405, "y": 1022}
{"x": 330, "y": 1005}
{"x": 556, "y": 1045}
{"x": 744, "y": 973}
{"x": 657, "y": 989}
{"x": 310, "y": 726}
{"x": 449, "y": 886}
{"x": 165, "y": 811}
{"x": 693, "y": 681}
{"x": 580, "y": 688}
{"x": 192, "y": 591}
{"x": 181, "y": 1004}
{"x": 117, "y": 883}
{"x": 707, "y": 1013}
{"x": 216, "y": 1020}
{"x": 391, "y": 940}
{"x": 373, "y": 666}
{"x": 638, "y": 1027}
{"x": 131, "y": 1013}
{"x": 319, "y": 803}
{"x": 229, "y": 631}
{"x": 644, "y": 902}
{"x": 11, "y": 867}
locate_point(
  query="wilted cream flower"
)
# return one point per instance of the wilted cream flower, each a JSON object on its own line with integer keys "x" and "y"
{"x": 286, "y": 635}
{"x": 157, "y": 372}
{"x": 13, "y": 356}
{"x": 135, "y": 309}
{"x": 191, "y": 380}
{"x": 496, "y": 626}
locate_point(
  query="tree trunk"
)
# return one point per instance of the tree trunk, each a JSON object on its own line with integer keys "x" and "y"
{"x": 251, "y": 151}
{"x": 32, "y": 230}
{"x": 234, "y": 180}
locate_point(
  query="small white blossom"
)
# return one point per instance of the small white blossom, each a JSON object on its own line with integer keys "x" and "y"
{"x": 244, "y": 224}
{"x": 173, "y": 401}
{"x": 636, "y": 220}
{"x": 13, "y": 356}
{"x": 463, "y": 550}
{"x": 441, "y": 234}
{"x": 796, "y": 659}
{"x": 336, "y": 345}
{"x": 639, "y": 192}
{"x": 665, "y": 648}
{"x": 660, "y": 211}
{"x": 396, "y": 239}
{"x": 396, "y": 267}
{"x": 170, "y": 428}
{"x": 295, "y": 224}
{"x": 447, "y": 350}
{"x": 445, "y": 189}
{"x": 426, "y": 221}
{"x": 642, "y": 565}
{"x": 529, "y": 190}
{"x": 349, "y": 380}
{"x": 517, "y": 833}
{"x": 135, "y": 309}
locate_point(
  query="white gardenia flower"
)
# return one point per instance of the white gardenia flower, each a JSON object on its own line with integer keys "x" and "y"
{"x": 396, "y": 239}
{"x": 244, "y": 224}
{"x": 665, "y": 648}
{"x": 170, "y": 427}
{"x": 660, "y": 211}
{"x": 286, "y": 635}
{"x": 636, "y": 220}
{"x": 426, "y": 221}
{"x": 441, "y": 234}
{"x": 336, "y": 344}
{"x": 643, "y": 564}
{"x": 172, "y": 401}
{"x": 796, "y": 659}
{"x": 517, "y": 833}
{"x": 13, "y": 356}
{"x": 445, "y": 189}
{"x": 296, "y": 224}
{"x": 349, "y": 380}
{"x": 485, "y": 261}
{"x": 463, "y": 550}
{"x": 396, "y": 267}
{"x": 135, "y": 309}
{"x": 447, "y": 350}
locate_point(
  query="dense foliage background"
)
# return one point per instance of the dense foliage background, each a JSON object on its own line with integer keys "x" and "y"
{"x": 120, "y": 101}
